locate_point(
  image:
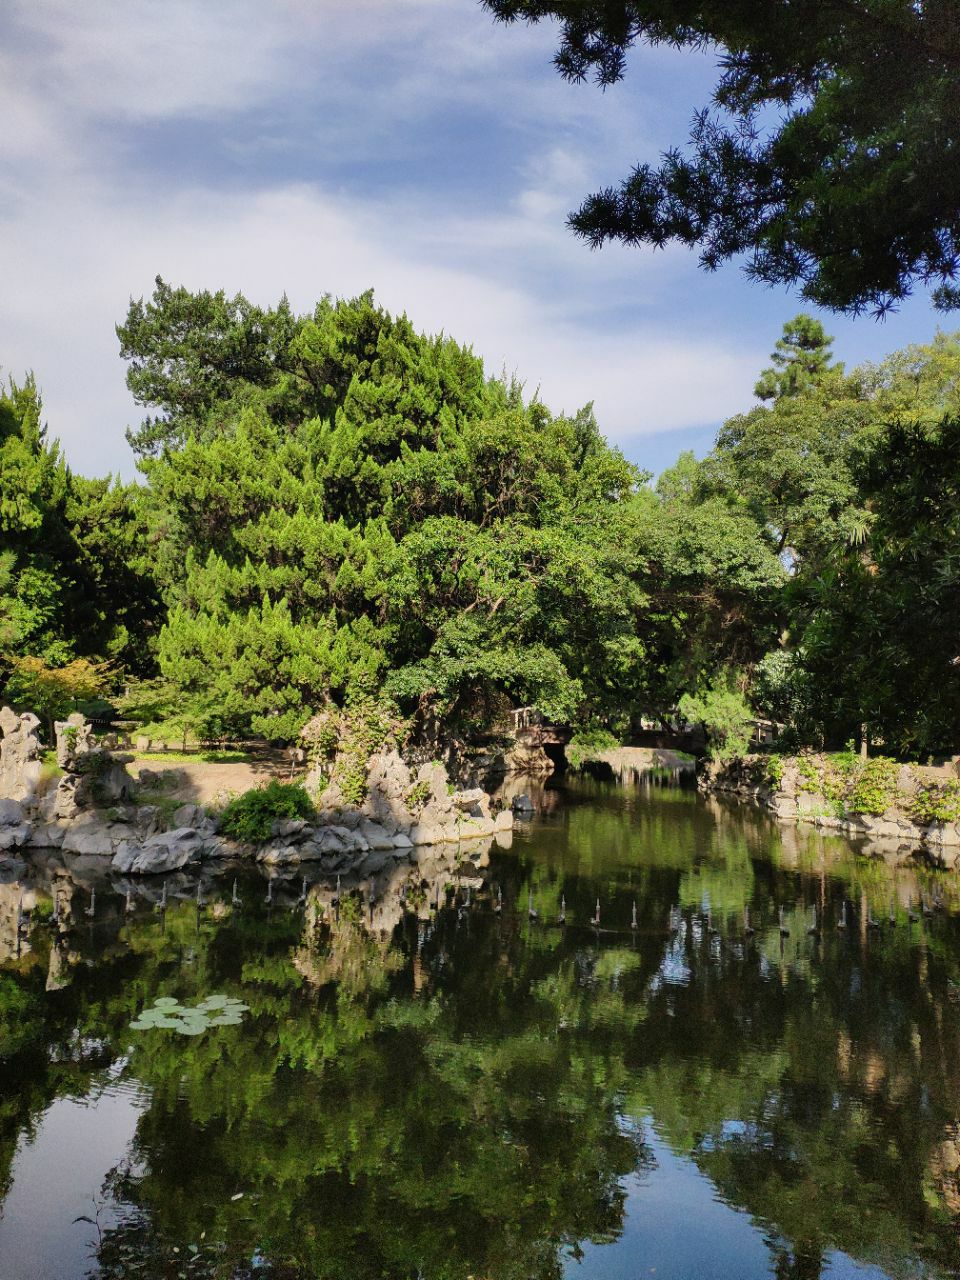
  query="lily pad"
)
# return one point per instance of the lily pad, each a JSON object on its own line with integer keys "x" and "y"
{"x": 167, "y": 1014}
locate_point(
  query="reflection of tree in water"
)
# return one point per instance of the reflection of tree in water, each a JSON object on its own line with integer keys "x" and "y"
{"x": 454, "y": 1092}
{"x": 376, "y": 1134}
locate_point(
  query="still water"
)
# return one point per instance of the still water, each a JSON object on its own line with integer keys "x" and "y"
{"x": 757, "y": 1075}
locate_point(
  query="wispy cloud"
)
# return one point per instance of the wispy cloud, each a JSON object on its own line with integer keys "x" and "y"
{"x": 320, "y": 146}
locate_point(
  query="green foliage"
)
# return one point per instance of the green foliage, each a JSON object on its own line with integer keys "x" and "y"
{"x": 822, "y": 156}
{"x": 74, "y": 579}
{"x": 53, "y": 692}
{"x": 587, "y": 741}
{"x": 725, "y": 715}
{"x": 773, "y": 771}
{"x": 801, "y": 359}
{"x": 936, "y": 802}
{"x": 344, "y": 503}
{"x": 250, "y": 816}
{"x": 340, "y": 743}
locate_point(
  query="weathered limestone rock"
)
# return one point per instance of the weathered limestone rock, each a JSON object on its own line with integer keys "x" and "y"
{"x": 15, "y": 830}
{"x": 19, "y": 756}
{"x": 194, "y": 815}
{"x": 376, "y": 836}
{"x": 168, "y": 851}
{"x": 388, "y": 786}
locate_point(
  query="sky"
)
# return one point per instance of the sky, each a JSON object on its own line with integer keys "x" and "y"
{"x": 314, "y": 147}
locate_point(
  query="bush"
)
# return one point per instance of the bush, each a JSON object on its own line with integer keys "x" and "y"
{"x": 875, "y": 787}
{"x": 250, "y": 817}
{"x": 936, "y": 802}
{"x": 726, "y": 717}
{"x": 587, "y": 742}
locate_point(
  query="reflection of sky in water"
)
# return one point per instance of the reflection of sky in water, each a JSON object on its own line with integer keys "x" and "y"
{"x": 674, "y": 970}
{"x": 57, "y": 1176}
{"x": 722, "y": 1243}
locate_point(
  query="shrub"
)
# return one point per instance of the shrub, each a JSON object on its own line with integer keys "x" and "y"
{"x": 587, "y": 742}
{"x": 250, "y": 817}
{"x": 725, "y": 715}
{"x": 339, "y": 743}
{"x": 936, "y": 802}
{"x": 874, "y": 787}
{"x": 774, "y": 771}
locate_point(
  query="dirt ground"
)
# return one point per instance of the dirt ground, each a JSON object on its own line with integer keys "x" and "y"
{"x": 200, "y": 782}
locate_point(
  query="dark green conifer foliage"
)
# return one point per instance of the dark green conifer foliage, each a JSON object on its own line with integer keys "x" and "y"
{"x": 376, "y": 510}
{"x": 801, "y": 359}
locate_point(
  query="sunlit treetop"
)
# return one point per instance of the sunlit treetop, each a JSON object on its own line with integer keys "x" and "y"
{"x": 828, "y": 158}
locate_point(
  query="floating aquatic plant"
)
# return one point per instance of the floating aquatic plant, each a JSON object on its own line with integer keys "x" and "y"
{"x": 167, "y": 1014}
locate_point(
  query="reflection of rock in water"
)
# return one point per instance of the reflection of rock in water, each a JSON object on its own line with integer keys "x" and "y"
{"x": 344, "y": 936}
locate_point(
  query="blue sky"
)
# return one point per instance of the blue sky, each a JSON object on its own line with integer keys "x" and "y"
{"x": 330, "y": 146}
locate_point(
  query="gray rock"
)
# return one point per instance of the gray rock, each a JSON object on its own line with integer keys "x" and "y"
{"x": 91, "y": 839}
{"x": 474, "y": 802}
{"x": 46, "y": 835}
{"x": 279, "y": 855}
{"x": 189, "y": 815}
{"x": 19, "y": 756}
{"x": 168, "y": 851}
{"x": 401, "y": 841}
{"x": 375, "y": 835}
{"x": 12, "y": 813}
{"x": 293, "y": 828}
{"x": 14, "y": 837}
{"x": 429, "y": 833}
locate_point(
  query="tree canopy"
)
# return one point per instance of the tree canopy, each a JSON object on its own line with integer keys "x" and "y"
{"x": 828, "y": 158}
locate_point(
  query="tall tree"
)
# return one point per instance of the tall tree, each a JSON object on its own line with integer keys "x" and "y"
{"x": 801, "y": 359}
{"x": 829, "y": 156}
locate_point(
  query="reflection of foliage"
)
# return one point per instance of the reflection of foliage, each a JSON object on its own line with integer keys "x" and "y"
{"x": 465, "y": 1097}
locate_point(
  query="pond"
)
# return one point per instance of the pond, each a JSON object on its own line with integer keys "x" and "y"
{"x": 749, "y": 1066}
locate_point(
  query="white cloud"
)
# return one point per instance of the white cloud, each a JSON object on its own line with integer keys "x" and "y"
{"x": 72, "y": 277}
{"x": 92, "y": 207}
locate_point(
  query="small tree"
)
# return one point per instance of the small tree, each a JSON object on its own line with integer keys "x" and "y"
{"x": 725, "y": 714}
{"x": 53, "y": 692}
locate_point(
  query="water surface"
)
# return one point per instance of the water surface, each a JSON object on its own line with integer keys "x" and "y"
{"x": 758, "y": 1075}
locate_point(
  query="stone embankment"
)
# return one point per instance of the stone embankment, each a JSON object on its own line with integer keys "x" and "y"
{"x": 94, "y": 810}
{"x": 832, "y": 792}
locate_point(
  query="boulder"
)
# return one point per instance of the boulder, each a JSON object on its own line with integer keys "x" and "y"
{"x": 430, "y": 833}
{"x": 92, "y": 839}
{"x": 292, "y": 829}
{"x": 503, "y": 821}
{"x": 46, "y": 835}
{"x": 192, "y": 815}
{"x": 12, "y": 813}
{"x": 376, "y": 836}
{"x": 474, "y": 802}
{"x": 279, "y": 855}
{"x": 168, "y": 851}
{"x": 14, "y": 837}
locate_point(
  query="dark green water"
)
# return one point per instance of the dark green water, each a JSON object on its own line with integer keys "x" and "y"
{"x": 461, "y": 1092}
